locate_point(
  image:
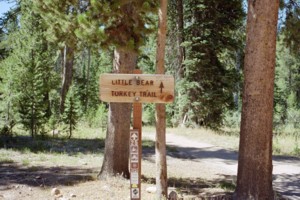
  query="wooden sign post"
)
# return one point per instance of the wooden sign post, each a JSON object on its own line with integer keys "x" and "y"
{"x": 135, "y": 163}
{"x": 137, "y": 89}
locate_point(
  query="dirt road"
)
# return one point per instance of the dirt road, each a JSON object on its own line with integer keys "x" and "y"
{"x": 195, "y": 169}
{"x": 222, "y": 163}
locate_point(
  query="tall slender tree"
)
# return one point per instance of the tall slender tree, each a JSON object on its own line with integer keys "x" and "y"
{"x": 207, "y": 80}
{"x": 254, "y": 179}
{"x": 180, "y": 39}
{"x": 8, "y": 111}
{"x": 160, "y": 143}
{"x": 72, "y": 110}
{"x": 61, "y": 19}
{"x": 30, "y": 63}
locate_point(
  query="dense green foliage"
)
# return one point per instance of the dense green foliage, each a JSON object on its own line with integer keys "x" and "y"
{"x": 287, "y": 89}
{"x": 35, "y": 35}
{"x": 209, "y": 76}
{"x": 72, "y": 110}
{"x": 117, "y": 23}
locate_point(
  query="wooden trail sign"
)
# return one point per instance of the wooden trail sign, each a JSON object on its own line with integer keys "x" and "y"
{"x": 137, "y": 89}
{"x": 140, "y": 88}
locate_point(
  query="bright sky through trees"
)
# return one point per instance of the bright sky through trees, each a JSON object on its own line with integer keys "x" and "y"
{"x": 4, "y": 7}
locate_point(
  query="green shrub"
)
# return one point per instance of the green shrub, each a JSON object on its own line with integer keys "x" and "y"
{"x": 97, "y": 118}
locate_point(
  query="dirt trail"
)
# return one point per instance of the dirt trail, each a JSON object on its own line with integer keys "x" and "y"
{"x": 286, "y": 170}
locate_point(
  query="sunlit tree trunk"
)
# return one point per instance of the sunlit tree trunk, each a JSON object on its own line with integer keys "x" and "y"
{"x": 254, "y": 179}
{"x": 160, "y": 145}
{"x": 67, "y": 75}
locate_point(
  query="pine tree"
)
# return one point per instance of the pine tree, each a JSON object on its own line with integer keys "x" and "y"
{"x": 8, "y": 96}
{"x": 32, "y": 76}
{"x": 89, "y": 67}
{"x": 61, "y": 20}
{"x": 72, "y": 110}
{"x": 55, "y": 118}
{"x": 31, "y": 105}
{"x": 291, "y": 25}
{"x": 208, "y": 84}
{"x": 287, "y": 84}
{"x": 8, "y": 69}
{"x": 117, "y": 23}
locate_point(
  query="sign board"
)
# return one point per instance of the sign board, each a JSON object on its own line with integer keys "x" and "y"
{"x": 139, "y": 88}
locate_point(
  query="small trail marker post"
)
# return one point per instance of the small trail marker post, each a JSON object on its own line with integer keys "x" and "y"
{"x": 136, "y": 88}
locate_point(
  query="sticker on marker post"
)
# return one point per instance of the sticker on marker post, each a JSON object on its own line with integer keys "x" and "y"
{"x": 134, "y": 149}
{"x": 135, "y": 193}
{"x": 134, "y": 158}
{"x": 134, "y": 178}
{"x": 134, "y": 166}
{"x": 134, "y": 138}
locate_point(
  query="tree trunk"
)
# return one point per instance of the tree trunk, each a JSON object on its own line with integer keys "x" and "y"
{"x": 160, "y": 144}
{"x": 117, "y": 137}
{"x": 181, "y": 51}
{"x": 67, "y": 75}
{"x": 87, "y": 80}
{"x": 236, "y": 94}
{"x": 180, "y": 40}
{"x": 254, "y": 179}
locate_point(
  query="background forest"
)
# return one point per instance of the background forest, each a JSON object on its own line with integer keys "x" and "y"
{"x": 52, "y": 53}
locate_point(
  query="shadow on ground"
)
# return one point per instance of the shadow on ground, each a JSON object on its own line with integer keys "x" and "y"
{"x": 195, "y": 154}
{"x": 286, "y": 159}
{"x": 11, "y": 174}
{"x": 287, "y": 184}
{"x": 284, "y": 184}
{"x": 199, "y": 188}
{"x": 53, "y": 145}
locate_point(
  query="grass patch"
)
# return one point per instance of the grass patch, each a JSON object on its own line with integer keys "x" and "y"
{"x": 286, "y": 144}
{"x": 283, "y": 144}
{"x": 43, "y": 158}
{"x": 296, "y": 150}
{"x": 73, "y": 146}
{"x": 86, "y": 148}
{"x": 148, "y": 144}
{"x": 26, "y": 162}
{"x": 227, "y": 186}
{"x": 6, "y": 160}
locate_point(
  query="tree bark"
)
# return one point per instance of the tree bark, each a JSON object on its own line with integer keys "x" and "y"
{"x": 87, "y": 80}
{"x": 254, "y": 179}
{"x": 160, "y": 143}
{"x": 180, "y": 39}
{"x": 67, "y": 75}
{"x": 117, "y": 137}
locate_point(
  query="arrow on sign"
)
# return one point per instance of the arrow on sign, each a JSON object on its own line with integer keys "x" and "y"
{"x": 161, "y": 86}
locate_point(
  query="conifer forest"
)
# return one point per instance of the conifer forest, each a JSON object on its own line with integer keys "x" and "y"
{"x": 236, "y": 66}
{"x": 52, "y": 52}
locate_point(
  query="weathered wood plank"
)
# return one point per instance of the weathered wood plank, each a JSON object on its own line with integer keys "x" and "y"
{"x": 141, "y": 88}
